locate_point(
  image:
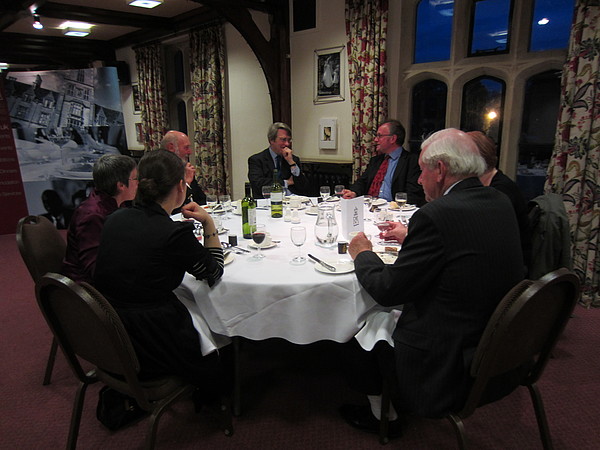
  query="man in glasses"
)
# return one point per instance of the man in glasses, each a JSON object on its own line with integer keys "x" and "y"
{"x": 278, "y": 156}
{"x": 393, "y": 169}
{"x": 179, "y": 143}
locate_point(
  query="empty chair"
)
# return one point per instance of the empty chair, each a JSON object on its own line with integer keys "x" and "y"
{"x": 86, "y": 326}
{"x": 517, "y": 341}
{"x": 43, "y": 249}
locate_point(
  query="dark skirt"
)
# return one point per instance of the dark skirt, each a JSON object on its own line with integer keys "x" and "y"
{"x": 166, "y": 343}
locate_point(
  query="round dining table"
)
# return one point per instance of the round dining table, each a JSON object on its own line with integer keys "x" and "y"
{"x": 272, "y": 297}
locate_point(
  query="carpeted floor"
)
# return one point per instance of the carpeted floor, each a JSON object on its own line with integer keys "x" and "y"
{"x": 291, "y": 394}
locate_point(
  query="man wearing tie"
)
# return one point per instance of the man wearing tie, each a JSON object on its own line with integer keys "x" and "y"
{"x": 278, "y": 156}
{"x": 393, "y": 169}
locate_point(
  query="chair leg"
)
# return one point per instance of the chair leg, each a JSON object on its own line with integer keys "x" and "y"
{"x": 50, "y": 363}
{"x": 540, "y": 415}
{"x": 459, "y": 429}
{"x": 384, "y": 421}
{"x": 76, "y": 416}
{"x": 237, "y": 377}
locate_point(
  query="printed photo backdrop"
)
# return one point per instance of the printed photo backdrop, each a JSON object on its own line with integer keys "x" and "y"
{"x": 62, "y": 123}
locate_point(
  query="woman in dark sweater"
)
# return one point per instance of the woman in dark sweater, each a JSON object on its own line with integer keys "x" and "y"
{"x": 143, "y": 257}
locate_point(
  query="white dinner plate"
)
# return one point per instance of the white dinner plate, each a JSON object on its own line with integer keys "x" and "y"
{"x": 379, "y": 202}
{"x": 341, "y": 266}
{"x": 333, "y": 199}
{"x": 229, "y": 258}
{"x": 311, "y": 213}
{"x": 394, "y": 207}
{"x": 222, "y": 230}
{"x": 262, "y": 246}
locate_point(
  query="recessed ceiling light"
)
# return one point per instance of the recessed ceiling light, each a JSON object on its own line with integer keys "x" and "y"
{"x": 543, "y": 21}
{"x": 71, "y": 24}
{"x": 76, "y": 32}
{"x": 145, "y": 3}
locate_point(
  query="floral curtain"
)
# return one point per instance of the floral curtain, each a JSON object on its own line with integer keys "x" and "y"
{"x": 366, "y": 31}
{"x": 207, "y": 60}
{"x": 574, "y": 169}
{"x": 151, "y": 85}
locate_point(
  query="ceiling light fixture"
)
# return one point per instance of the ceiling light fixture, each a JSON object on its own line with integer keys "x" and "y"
{"x": 76, "y": 32}
{"x": 36, "y": 22}
{"x": 145, "y": 3}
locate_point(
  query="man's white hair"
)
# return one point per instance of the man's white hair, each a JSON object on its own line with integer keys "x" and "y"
{"x": 456, "y": 150}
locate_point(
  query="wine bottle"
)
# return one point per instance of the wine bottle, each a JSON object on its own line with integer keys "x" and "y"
{"x": 248, "y": 213}
{"x": 276, "y": 197}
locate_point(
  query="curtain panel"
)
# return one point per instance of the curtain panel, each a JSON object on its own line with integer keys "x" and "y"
{"x": 366, "y": 31}
{"x": 574, "y": 170}
{"x": 207, "y": 61}
{"x": 151, "y": 84}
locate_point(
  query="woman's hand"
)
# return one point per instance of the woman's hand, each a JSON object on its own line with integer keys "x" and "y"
{"x": 193, "y": 210}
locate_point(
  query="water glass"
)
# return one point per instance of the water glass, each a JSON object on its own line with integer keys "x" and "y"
{"x": 338, "y": 189}
{"x": 225, "y": 200}
{"x": 325, "y": 192}
{"x": 298, "y": 237}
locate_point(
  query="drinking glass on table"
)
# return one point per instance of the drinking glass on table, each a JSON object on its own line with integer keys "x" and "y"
{"x": 383, "y": 226}
{"x": 298, "y": 236}
{"x": 401, "y": 198}
{"x": 211, "y": 201}
{"x": 258, "y": 236}
{"x": 266, "y": 193}
{"x": 225, "y": 200}
{"x": 338, "y": 189}
{"x": 325, "y": 192}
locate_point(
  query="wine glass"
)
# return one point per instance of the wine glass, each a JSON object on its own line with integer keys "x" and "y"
{"x": 298, "y": 236}
{"x": 400, "y": 199}
{"x": 266, "y": 193}
{"x": 225, "y": 200}
{"x": 383, "y": 226}
{"x": 258, "y": 236}
{"x": 325, "y": 192}
{"x": 338, "y": 189}
{"x": 211, "y": 201}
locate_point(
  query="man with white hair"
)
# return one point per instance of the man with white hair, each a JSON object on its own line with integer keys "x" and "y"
{"x": 179, "y": 143}
{"x": 461, "y": 255}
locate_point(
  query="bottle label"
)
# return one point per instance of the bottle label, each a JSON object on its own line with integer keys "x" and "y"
{"x": 252, "y": 219}
{"x": 277, "y": 197}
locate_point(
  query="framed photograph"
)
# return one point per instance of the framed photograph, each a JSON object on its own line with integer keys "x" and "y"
{"x": 139, "y": 132}
{"x": 329, "y": 75}
{"x": 328, "y": 133}
{"x": 135, "y": 93}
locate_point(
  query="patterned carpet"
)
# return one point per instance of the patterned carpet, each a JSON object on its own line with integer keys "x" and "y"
{"x": 291, "y": 394}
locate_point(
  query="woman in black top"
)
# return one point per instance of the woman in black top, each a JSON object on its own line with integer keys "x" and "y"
{"x": 142, "y": 258}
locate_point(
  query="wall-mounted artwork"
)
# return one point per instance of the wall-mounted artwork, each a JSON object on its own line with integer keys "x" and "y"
{"x": 135, "y": 94}
{"x": 329, "y": 75}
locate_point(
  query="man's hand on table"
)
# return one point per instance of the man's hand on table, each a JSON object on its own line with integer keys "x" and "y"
{"x": 359, "y": 244}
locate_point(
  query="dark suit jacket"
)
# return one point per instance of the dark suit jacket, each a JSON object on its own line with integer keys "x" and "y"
{"x": 461, "y": 256}
{"x": 260, "y": 173}
{"x": 193, "y": 193}
{"x": 405, "y": 177}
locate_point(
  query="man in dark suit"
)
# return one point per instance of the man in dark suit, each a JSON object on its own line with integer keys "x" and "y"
{"x": 460, "y": 256}
{"x": 178, "y": 143}
{"x": 400, "y": 173}
{"x": 279, "y": 155}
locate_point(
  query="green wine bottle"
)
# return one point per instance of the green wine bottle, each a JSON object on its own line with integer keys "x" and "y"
{"x": 276, "y": 197}
{"x": 248, "y": 213}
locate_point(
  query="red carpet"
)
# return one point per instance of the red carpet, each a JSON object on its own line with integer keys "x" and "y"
{"x": 291, "y": 394}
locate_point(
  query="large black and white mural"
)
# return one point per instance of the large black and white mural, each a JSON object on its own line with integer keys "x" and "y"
{"x": 63, "y": 122}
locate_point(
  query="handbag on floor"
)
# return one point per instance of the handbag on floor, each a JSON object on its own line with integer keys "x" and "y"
{"x": 115, "y": 410}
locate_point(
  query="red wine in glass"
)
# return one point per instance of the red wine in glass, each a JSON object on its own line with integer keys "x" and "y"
{"x": 383, "y": 226}
{"x": 258, "y": 237}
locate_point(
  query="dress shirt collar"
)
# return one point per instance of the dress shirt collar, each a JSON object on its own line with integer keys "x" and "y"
{"x": 396, "y": 153}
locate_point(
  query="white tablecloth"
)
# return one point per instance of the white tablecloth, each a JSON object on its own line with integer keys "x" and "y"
{"x": 272, "y": 298}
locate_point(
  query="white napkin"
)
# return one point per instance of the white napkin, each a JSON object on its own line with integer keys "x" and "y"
{"x": 379, "y": 326}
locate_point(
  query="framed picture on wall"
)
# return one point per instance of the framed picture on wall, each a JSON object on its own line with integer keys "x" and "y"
{"x": 135, "y": 94}
{"x": 139, "y": 132}
{"x": 329, "y": 75}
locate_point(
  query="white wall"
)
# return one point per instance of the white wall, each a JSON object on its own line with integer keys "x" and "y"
{"x": 330, "y": 32}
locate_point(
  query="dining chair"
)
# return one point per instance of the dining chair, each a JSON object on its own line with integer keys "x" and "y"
{"x": 43, "y": 249}
{"x": 517, "y": 341}
{"x": 87, "y": 327}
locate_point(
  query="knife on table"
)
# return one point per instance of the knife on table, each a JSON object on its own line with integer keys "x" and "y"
{"x": 323, "y": 263}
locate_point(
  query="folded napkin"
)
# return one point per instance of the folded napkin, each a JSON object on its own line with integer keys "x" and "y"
{"x": 379, "y": 326}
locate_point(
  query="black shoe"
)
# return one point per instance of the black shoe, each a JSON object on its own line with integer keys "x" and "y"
{"x": 362, "y": 418}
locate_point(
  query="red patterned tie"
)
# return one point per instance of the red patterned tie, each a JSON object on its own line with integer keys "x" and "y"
{"x": 379, "y": 176}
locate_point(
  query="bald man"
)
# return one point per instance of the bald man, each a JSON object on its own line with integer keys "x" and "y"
{"x": 178, "y": 143}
